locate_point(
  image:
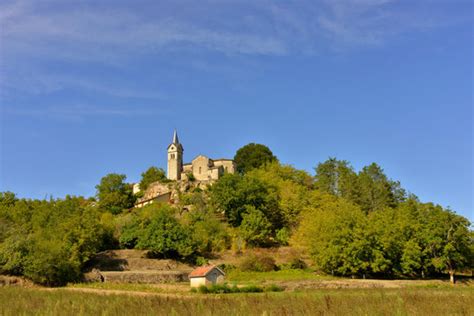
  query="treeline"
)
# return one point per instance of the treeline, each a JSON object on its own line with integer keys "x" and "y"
{"x": 49, "y": 241}
{"x": 350, "y": 223}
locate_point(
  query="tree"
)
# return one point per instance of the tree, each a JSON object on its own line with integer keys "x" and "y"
{"x": 153, "y": 174}
{"x": 165, "y": 237}
{"x": 337, "y": 177}
{"x": 451, "y": 247}
{"x": 114, "y": 194}
{"x": 292, "y": 189}
{"x": 209, "y": 232}
{"x": 332, "y": 231}
{"x": 411, "y": 261}
{"x": 7, "y": 199}
{"x": 233, "y": 193}
{"x": 376, "y": 191}
{"x": 255, "y": 228}
{"x": 253, "y": 156}
{"x": 50, "y": 241}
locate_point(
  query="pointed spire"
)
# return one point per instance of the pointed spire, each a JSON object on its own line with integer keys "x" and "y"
{"x": 175, "y": 137}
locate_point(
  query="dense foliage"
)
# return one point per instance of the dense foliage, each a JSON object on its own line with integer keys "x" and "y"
{"x": 49, "y": 241}
{"x": 350, "y": 223}
{"x": 114, "y": 194}
{"x": 157, "y": 230}
{"x": 253, "y": 156}
{"x": 153, "y": 174}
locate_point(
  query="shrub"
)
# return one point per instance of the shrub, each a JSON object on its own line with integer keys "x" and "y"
{"x": 283, "y": 236}
{"x": 190, "y": 176}
{"x": 258, "y": 264}
{"x": 226, "y": 267}
{"x": 218, "y": 289}
{"x": 294, "y": 263}
{"x": 201, "y": 261}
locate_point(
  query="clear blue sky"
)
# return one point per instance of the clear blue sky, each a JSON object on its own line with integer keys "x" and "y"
{"x": 88, "y": 89}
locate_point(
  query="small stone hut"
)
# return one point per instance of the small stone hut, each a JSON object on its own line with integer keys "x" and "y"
{"x": 206, "y": 275}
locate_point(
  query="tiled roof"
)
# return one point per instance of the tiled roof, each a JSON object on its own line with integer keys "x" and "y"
{"x": 203, "y": 271}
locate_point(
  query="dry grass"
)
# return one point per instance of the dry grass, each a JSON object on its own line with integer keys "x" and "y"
{"x": 405, "y": 301}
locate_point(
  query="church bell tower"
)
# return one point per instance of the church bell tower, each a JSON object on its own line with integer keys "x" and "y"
{"x": 175, "y": 158}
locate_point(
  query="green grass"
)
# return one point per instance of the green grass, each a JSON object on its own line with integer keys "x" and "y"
{"x": 408, "y": 301}
{"x": 282, "y": 275}
{"x": 118, "y": 286}
{"x": 226, "y": 289}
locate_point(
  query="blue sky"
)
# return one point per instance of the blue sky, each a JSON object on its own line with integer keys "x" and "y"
{"x": 93, "y": 87}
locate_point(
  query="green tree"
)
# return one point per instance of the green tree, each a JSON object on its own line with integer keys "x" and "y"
{"x": 253, "y": 156}
{"x": 376, "y": 191}
{"x": 255, "y": 229}
{"x": 50, "y": 241}
{"x": 337, "y": 177}
{"x": 411, "y": 260}
{"x": 114, "y": 194}
{"x": 156, "y": 229}
{"x": 7, "y": 199}
{"x": 233, "y": 193}
{"x": 209, "y": 232}
{"x": 452, "y": 244}
{"x": 153, "y": 174}
{"x": 332, "y": 231}
{"x": 292, "y": 189}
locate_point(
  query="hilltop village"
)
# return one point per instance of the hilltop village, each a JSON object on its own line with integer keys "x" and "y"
{"x": 251, "y": 214}
{"x": 201, "y": 172}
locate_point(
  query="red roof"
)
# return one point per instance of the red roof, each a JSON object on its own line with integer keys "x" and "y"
{"x": 203, "y": 271}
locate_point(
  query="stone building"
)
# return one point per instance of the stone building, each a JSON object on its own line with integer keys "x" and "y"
{"x": 206, "y": 275}
{"x": 201, "y": 168}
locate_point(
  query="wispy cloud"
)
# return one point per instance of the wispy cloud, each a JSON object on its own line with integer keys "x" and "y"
{"x": 88, "y": 33}
{"x": 112, "y": 34}
{"x": 80, "y": 112}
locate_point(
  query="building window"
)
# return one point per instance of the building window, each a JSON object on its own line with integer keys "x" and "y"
{"x": 172, "y": 156}
{"x": 199, "y": 170}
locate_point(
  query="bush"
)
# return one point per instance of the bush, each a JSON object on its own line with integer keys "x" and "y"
{"x": 190, "y": 176}
{"x": 201, "y": 261}
{"x": 258, "y": 264}
{"x": 226, "y": 267}
{"x": 294, "y": 263}
{"x": 218, "y": 289}
{"x": 283, "y": 236}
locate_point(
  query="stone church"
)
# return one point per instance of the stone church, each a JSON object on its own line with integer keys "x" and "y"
{"x": 201, "y": 168}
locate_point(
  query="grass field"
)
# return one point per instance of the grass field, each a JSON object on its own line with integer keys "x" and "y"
{"x": 282, "y": 275}
{"x": 404, "y": 301}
